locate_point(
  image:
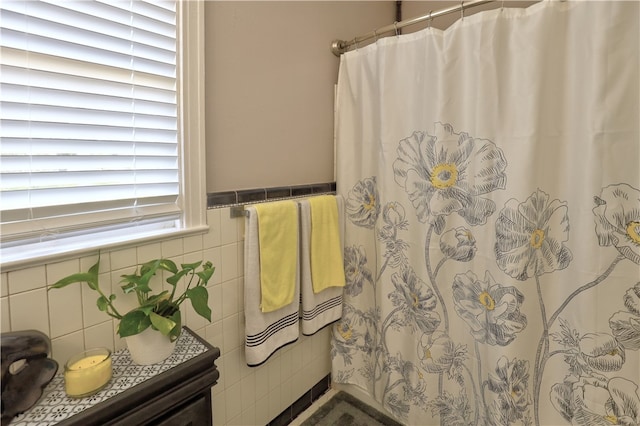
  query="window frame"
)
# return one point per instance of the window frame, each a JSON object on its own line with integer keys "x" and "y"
{"x": 192, "y": 199}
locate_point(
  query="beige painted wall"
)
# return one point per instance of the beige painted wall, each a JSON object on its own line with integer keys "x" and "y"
{"x": 270, "y": 78}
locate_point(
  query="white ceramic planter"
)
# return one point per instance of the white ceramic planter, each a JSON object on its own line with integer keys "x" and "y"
{"x": 149, "y": 347}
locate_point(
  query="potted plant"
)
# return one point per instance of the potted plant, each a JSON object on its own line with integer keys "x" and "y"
{"x": 157, "y": 319}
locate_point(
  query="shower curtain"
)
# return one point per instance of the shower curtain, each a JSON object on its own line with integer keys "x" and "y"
{"x": 492, "y": 187}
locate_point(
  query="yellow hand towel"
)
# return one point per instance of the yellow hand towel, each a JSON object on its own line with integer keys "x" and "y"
{"x": 278, "y": 240}
{"x": 327, "y": 266}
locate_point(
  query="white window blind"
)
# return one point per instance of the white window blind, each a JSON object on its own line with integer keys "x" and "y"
{"x": 89, "y": 131}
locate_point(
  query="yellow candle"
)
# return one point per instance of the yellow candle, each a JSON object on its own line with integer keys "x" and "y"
{"x": 87, "y": 372}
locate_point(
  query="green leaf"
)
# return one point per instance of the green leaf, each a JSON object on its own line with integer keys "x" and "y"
{"x": 128, "y": 288}
{"x": 133, "y": 322}
{"x": 206, "y": 274}
{"x": 94, "y": 271}
{"x": 140, "y": 282}
{"x": 173, "y": 280}
{"x": 81, "y": 277}
{"x": 190, "y": 266}
{"x": 199, "y": 297}
{"x": 149, "y": 267}
{"x": 102, "y": 303}
{"x": 168, "y": 265}
{"x": 147, "y": 309}
{"x": 164, "y": 325}
{"x": 175, "y": 333}
{"x": 156, "y": 298}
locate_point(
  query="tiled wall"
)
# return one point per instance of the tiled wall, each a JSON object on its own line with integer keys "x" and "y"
{"x": 243, "y": 395}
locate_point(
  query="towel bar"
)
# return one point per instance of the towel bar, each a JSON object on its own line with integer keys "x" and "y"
{"x": 238, "y": 211}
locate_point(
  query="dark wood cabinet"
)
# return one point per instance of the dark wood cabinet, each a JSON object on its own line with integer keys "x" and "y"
{"x": 180, "y": 396}
{"x": 176, "y": 392}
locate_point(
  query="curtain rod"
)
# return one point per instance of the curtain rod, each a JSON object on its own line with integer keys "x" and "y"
{"x": 338, "y": 47}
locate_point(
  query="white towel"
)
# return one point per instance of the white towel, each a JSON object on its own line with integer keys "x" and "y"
{"x": 265, "y": 333}
{"x": 321, "y": 309}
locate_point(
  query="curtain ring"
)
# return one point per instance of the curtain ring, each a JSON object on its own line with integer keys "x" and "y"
{"x": 502, "y": 7}
{"x": 395, "y": 25}
{"x": 462, "y": 10}
{"x": 375, "y": 35}
{"x": 430, "y": 18}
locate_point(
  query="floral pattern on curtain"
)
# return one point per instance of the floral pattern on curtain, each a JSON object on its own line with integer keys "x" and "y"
{"x": 491, "y": 280}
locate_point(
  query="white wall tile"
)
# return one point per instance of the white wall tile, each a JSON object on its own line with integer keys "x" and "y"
{"x": 296, "y": 358}
{"x": 231, "y": 333}
{"x": 4, "y": 286}
{"x": 26, "y": 279}
{"x": 213, "y": 237}
{"x": 29, "y": 310}
{"x": 215, "y": 302}
{"x": 320, "y": 341}
{"x": 262, "y": 381}
{"x": 245, "y": 370}
{"x": 88, "y": 261}
{"x": 241, "y": 294}
{"x": 236, "y": 421}
{"x": 192, "y": 243}
{"x": 275, "y": 402}
{"x": 219, "y": 410}
{"x": 273, "y": 365}
{"x": 240, "y": 254}
{"x": 286, "y": 394}
{"x": 65, "y": 310}
{"x": 91, "y": 315}
{"x": 192, "y": 256}
{"x": 248, "y": 386}
{"x": 148, "y": 252}
{"x": 228, "y": 227}
{"x": 213, "y": 256}
{"x": 229, "y": 262}
{"x": 190, "y": 317}
{"x": 5, "y": 321}
{"x": 233, "y": 365}
{"x": 285, "y": 362}
{"x": 66, "y": 346}
{"x": 99, "y": 336}
{"x": 171, "y": 248}
{"x": 213, "y": 334}
{"x": 229, "y": 298}
{"x": 233, "y": 394}
{"x": 307, "y": 351}
{"x": 248, "y": 416}
{"x": 299, "y": 386}
{"x": 124, "y": 258}
{"x": 262, "y": 411}
{"x": 57, "y": 271}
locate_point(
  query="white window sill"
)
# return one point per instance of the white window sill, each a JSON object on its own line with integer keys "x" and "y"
{"x": 56, "y": 251}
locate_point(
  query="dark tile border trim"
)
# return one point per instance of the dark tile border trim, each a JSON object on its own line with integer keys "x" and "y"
{"x": 302, "y": 403}
{"x": 246, "y": 196}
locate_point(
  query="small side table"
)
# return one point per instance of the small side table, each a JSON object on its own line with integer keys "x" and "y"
{"x": 174, "y": 392}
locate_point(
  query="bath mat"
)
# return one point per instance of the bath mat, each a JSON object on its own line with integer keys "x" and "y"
{"x": 345, "y": 410}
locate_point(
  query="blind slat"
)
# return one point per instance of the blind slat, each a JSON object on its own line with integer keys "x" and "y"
{"x": 88, "y": 117}
{"x": 97, "y": 74}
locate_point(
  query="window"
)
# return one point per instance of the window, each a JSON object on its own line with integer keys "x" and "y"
{"x": 101, "y": 134}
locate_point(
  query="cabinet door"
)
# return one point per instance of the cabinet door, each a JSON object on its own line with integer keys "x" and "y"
{"x": 195, "y": 413}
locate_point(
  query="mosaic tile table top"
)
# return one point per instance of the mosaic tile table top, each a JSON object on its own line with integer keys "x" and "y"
{"x": 55, "y": 405}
